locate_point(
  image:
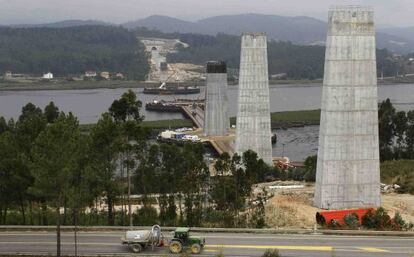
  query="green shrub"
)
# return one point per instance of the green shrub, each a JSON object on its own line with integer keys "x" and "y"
{"x": 378, "y": 219}
{"x": 351, "y": 221}
{"x": 271, "y": 253}
{"x": 398, "y": 222}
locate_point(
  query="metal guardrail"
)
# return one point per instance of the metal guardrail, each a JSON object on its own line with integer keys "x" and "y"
{"x": 219, "y": 230}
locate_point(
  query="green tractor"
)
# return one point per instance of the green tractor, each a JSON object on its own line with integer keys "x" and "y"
{"x": 182, "y": 239}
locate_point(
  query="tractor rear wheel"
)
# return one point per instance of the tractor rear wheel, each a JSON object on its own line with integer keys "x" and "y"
{"x": 176, "y": 247}
{"x": 136, "y": 248}
{"x": 196, "y": 248}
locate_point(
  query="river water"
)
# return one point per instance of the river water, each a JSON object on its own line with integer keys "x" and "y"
{"x": 88, "y": 105}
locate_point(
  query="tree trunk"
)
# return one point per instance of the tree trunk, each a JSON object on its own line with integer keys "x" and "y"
{"x": 129, "y": 199}
{"x": 1, "y": 215}
{"x": 5, "y": 216}
{"x": 22, "y": 209}
{"x": 58, "y": 232}
{"x": 39, "y": 214}
{"x": 31, "y": 212}
{"x": 44, "y": 213}
{"x": 64, "y": 212}
{"x": 123, "y": 193}
{"x": 110, "y": 211}
{"x": 180, "y": 208}
{"x": 96, "y": 212}
{"x": 75, "y": 220}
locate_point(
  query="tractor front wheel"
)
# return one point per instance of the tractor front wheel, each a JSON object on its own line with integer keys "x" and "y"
{"x": 196, "y": 248}
{"x": 176, "y": 247}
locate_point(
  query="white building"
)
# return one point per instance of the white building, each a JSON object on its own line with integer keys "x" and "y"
{"x": 48, "y": 75}
{"x": 105, "y": 75}
{"x": 90, "y": 74}
{"x": 8, "y": 75}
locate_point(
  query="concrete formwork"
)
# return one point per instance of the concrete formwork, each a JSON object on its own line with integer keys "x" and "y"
{"x": 216, "y": 119}
{"x": 253, "y": 129}
{"x": 348, "y": 154}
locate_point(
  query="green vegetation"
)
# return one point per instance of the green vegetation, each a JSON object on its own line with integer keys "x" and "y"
{"x": 45, "y": 149}
{"x": 301, "y": 116}
{"x": 72, "y": 51}
{"x": 271, "y": 253}
{"x": 47, "y": 164}
{"x": 351, "y": 221}
{"x": 297, "y": 61}
{"x": 292, "y": 118}
{"x": 380, "y": 220}
{"x": 396, "y": 132}
{"x": 399, "y": 172}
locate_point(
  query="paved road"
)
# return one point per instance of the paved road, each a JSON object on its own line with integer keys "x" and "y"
{"x": 99, "y": 243}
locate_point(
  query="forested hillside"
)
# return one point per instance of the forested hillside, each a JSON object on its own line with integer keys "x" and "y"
{"x": 297, "y": 61}
{"x": 72, "y": 51}
{"x": 300, "y": 30}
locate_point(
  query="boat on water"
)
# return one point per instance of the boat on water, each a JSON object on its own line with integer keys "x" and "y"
{"x": 162, "y": 106}
{"x": 165, "y": 89}
{"x": 171, "y": 106}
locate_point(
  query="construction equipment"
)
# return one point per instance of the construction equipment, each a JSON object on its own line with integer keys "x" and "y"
{"x": 182, "y": 239}
{"x": 139, "y": 240}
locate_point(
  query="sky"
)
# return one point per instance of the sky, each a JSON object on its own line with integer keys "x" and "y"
{"x": 388, "y": 12}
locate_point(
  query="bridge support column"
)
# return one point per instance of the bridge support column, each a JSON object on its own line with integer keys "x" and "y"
{"x": 253, "y": 129}
{"x": 348, "y": 153}
{"x": 216, "y": 118}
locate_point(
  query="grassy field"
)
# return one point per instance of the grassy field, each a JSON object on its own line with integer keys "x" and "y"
{"x": 295, "y": 116}
{"x": 292, "y": 118}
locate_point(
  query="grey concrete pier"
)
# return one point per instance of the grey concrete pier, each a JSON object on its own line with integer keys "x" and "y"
{"x": 348, "y": 155}
{"x": 253, "y": 129}
{"x": 216, "y": 119}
